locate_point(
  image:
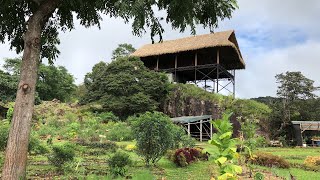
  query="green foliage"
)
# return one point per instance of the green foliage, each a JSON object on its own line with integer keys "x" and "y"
{"x": 249, "y": 129}
{"x": 123, "y": 50}
{"x": 294, "y": 85}
{"x": 181, "y": 139}
{"x": 8, "y": 86}
{"x": 118, "y": 163}
{"x": 258, "y": 176}
{"x": 119, "y": 131}
{"x": 125, "y": 87}
{"x": 269, "y": 160}
{"x": 88, "y": 13}
{"x": 36, "y": 146}
{"x": 53, "y": 82}
{"x": 226, "y": 155}
{"x": 61, "y": 154}
{"x": 105, "y": 117}
{"x": 153, "y": 133}
{"x": 9, "y": 114}
{"x": 4, "y": 133}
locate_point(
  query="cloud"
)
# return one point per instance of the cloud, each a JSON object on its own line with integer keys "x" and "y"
{"x": 258, "y": 79}
{"x": 274, "y": 36}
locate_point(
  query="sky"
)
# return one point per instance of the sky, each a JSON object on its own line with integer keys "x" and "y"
{"x": 274, "y": 37}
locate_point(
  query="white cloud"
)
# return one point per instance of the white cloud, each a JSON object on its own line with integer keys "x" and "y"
{"x": 274, "y": 36}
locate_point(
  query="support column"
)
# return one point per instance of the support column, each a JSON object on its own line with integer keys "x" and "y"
{"x": 218, "y": 64}
{"x": 189, "y": 133}
{"x": 211, "y": 129}
{"x": 195, "y": 68}
{"x": 234, "y": 83}
{"x": 158, "y": 63}
{"x": 175, "y": 67}
{"x": 201, "y": 121}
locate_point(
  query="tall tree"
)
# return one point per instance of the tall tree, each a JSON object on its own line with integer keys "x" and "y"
{"x": 122, "y": 50}
{"x": 53, "y": 82}
{"x": 293, "y": 88}
{"x": 32, "y": 26}
{"x": 125, "y": 87}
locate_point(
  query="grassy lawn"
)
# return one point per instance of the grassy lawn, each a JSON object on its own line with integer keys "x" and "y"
{"x": 296, "y": 157}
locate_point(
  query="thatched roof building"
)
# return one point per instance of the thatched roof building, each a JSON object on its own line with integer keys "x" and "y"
{"x": 206, "y": 45}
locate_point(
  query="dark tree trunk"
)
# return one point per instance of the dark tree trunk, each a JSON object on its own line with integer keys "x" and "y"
{"x": 17, "y": 148}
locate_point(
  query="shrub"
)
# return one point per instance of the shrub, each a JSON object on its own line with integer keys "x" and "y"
{"x": 9, "y": 114}
{"x": 4, "y": 134}
{"x": 181, "y": 139}
{"x": 118, "y": 163}
{"x": 36, "y": 146}
{"x": 153, "y": 132}
{"x": 61, "y": 154}
{"x": 119, "y": 131}
{"x": 269, "y": 160}
{"x": 184, "y": 156}
{"x": 106, "y": 117}
{"x": 226, "y": 146}
{"x": 312, "y": 162}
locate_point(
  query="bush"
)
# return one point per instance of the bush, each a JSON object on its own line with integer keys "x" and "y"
{"x": 36, "y": 146}
{"x": 184, "y": 156}
{"x": 118, "y": 163}
{"x": 106, "y": 117}
{"x": 4, "y": 134}
{"x": 61, "y": 154}
{"x": 153, "y": 132}
{"x": 119, "y": 131}
{"x": 312, "y": 162}
{"x": 269, "y": 160}
{"x": 181, "y": 139}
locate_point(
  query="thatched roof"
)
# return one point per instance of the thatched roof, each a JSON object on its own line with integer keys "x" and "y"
{"x": 218, "y": 39}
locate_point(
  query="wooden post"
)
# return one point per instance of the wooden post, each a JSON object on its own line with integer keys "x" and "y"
{"x": 189, "y": 129}
{"x": 175, "y": 67}
{"x": 195, "y": 68}
{"x": 211, "y": 129}
{"x": 201, "y": 121}
{"x": 218, "y": 62}
{"x": 157, "y": 63}
{"x": 234, "y": 83}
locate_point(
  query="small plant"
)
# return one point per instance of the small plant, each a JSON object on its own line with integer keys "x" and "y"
{"x": 181, "y": 139}
{"x": 108, "y": 146}
{"x": 269, "y": 160}
{"x": 106, "y": 117}
{"x": 4, "y": 133}
{"x": 118, "y": 163}
{"x": 61, "y": 154}
{"x": 312, "y": 163}
{"x": 36, "y": 146}
{"x": 185, "y": 156}
{"x": 258, "y": 176}
{"x": 153, "y": 132}
{"x": 119, "y": 131}
{"x": 227, "y": 148}
{"x": 9, "y": 114}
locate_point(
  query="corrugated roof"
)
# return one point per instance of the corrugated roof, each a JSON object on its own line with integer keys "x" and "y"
{"x": 190, "y": 119}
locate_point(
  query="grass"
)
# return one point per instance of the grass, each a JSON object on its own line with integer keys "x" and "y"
{"x": 296, "y": 157}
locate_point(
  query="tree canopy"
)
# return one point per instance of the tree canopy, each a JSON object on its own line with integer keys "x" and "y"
{"x": 294, "y": 85}
{"x": 125, "y": 87}
{"x": 122, "y": 50}
{"x": 53, "y": 82}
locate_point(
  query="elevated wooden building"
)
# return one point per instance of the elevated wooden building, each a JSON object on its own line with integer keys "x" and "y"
{"x": 210, "y": 58}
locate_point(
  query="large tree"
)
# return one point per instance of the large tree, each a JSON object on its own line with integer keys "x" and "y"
{"x": 32, "y": 26}
{"x": 54, "y": 82}
{"x": 125, "y": 87}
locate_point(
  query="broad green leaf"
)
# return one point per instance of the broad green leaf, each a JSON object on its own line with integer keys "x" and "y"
{"x": 226, "y": 135}
{"x": 221, "y": 160}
